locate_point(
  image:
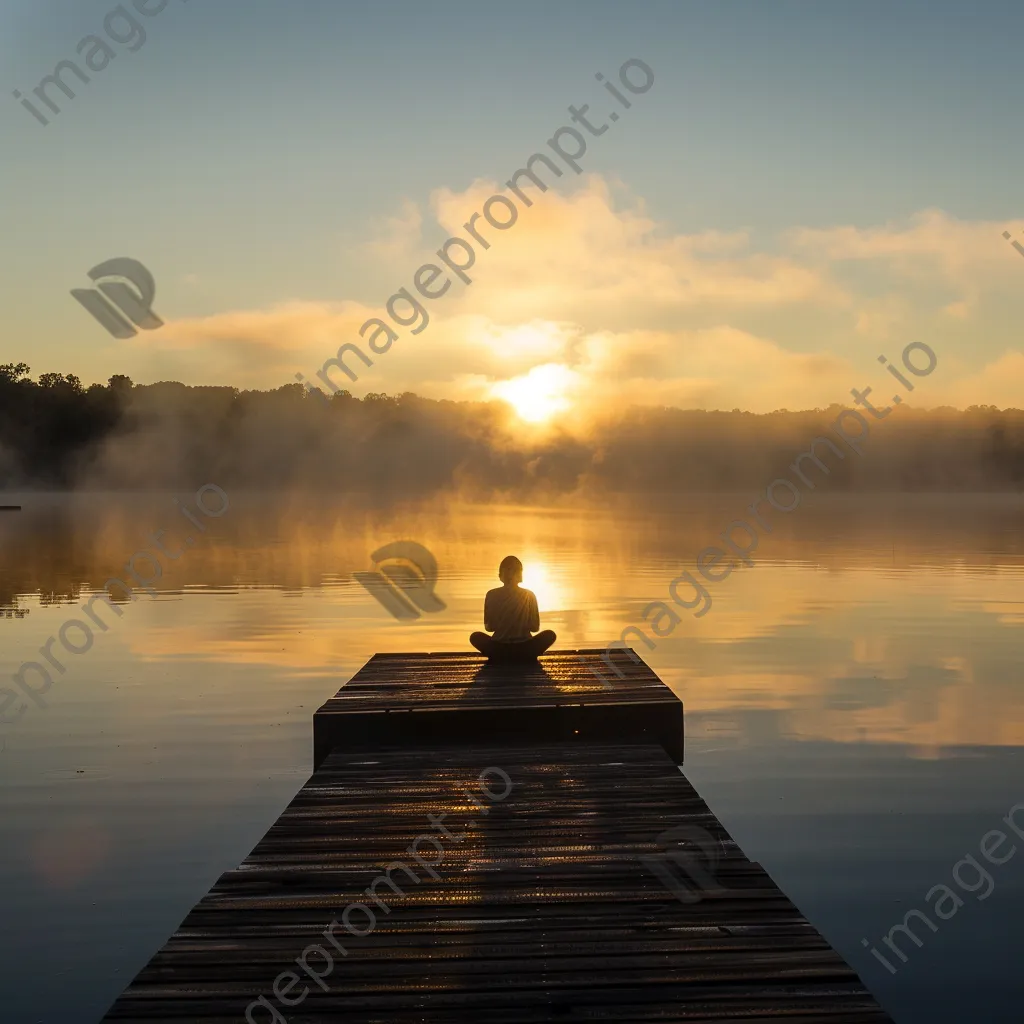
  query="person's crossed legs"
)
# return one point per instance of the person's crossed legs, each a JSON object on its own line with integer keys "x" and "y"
{"x": 513, "y": 650}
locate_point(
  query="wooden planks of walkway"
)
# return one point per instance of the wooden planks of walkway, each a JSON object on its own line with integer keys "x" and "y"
{"x": 542, "y": 911}
{"x": 435, "y": 699}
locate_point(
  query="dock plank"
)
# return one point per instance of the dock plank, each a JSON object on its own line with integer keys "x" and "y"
{"x": 543, "y": 910}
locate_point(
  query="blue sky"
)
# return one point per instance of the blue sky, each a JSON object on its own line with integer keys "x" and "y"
{"x": 257, "y": 155}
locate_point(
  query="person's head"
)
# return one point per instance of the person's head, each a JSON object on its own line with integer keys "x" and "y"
{"x": 511, "y": 570}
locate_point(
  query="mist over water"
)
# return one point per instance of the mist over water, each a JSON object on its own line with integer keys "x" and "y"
{"x": 58, "y": 434}
{"x": 853, "y": 703}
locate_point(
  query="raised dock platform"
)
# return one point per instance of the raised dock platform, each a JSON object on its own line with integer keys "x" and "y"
{"x": 557, "y": 881}
{"x": 401, "y": 699}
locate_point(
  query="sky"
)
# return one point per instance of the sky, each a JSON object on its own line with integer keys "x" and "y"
{"x": 802, "y": 188}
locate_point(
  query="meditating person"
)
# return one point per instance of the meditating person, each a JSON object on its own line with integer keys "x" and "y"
{"x": 511, "y": 615}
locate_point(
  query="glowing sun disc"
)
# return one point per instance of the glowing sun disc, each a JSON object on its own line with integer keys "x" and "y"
{"x": 539, "y": 394}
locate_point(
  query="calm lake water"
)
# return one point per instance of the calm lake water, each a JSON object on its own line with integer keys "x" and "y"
{"x": 854, "y": 708}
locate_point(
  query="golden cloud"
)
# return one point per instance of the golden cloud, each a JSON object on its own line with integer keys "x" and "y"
{"x": 588, "y": 281}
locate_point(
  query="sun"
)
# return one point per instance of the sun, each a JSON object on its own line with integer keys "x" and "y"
{"x": 538, "y": 395}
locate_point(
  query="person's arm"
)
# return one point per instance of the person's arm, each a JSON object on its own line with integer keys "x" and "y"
{"x": 534, "y": 613}
{"x": 488, "y": 613}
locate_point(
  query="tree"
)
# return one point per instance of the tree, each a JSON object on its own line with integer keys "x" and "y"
{"x": 13, "y": 373}
{"x": 58, "y": 380}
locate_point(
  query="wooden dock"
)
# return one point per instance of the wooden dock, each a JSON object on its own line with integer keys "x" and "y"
{"x": 402, "y": 699}
{"x": 514, "y": 882}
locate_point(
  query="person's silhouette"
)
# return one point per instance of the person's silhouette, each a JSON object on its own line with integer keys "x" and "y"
{"x": 511, "y": 615}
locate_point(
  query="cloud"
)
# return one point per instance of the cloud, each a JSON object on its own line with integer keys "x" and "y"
{"x": 588, "y": 281}
{"x": 715, "y": 368}
{"x": 584, "y": 257}
{"x": 399, "y": 236}
{"x": 931, "y": 245}
{"x": 260, "y": 347}
{"x": 999, "y": 383}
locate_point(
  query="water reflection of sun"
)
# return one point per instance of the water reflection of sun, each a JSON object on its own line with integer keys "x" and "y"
{"x": 538, "y": 578}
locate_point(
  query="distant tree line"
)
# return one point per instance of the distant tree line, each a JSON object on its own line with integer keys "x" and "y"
{"x": 48, "y": 426}
{"x": 56, "y": 433}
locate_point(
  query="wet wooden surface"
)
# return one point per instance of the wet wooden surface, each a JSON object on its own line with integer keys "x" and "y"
{"x": 397, "y": 699}
{"x": 543, "y": 907}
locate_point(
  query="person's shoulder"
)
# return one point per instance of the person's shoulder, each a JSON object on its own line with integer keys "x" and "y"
{"x": 491, "y": 594}
{"x": 530, "y": 595}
